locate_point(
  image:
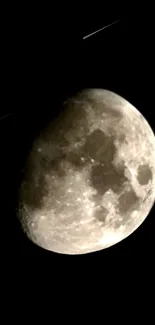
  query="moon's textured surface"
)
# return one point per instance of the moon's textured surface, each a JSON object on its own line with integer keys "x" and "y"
{"x": 89, "y": 180}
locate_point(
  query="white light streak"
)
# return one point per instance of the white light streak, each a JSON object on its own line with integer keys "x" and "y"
{"x": 100, "y": 29}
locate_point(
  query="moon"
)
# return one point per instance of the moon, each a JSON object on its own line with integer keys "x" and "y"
{"x": 89, "y": 179}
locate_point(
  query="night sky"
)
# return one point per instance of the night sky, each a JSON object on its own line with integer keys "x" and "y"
{"x": 48, "y": 61}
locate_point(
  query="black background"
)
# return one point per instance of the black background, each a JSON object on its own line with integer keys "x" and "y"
{"x": 45, "y": 61}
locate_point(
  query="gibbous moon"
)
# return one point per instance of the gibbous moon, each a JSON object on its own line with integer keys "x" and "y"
{"x": 89, "y": 180}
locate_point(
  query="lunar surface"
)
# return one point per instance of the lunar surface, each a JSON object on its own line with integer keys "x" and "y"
{"x": 89, "y": 180}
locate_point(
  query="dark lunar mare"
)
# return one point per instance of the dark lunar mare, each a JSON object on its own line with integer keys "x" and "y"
{"x": 144, "y": 174}
{"x": 105, "y": 175}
